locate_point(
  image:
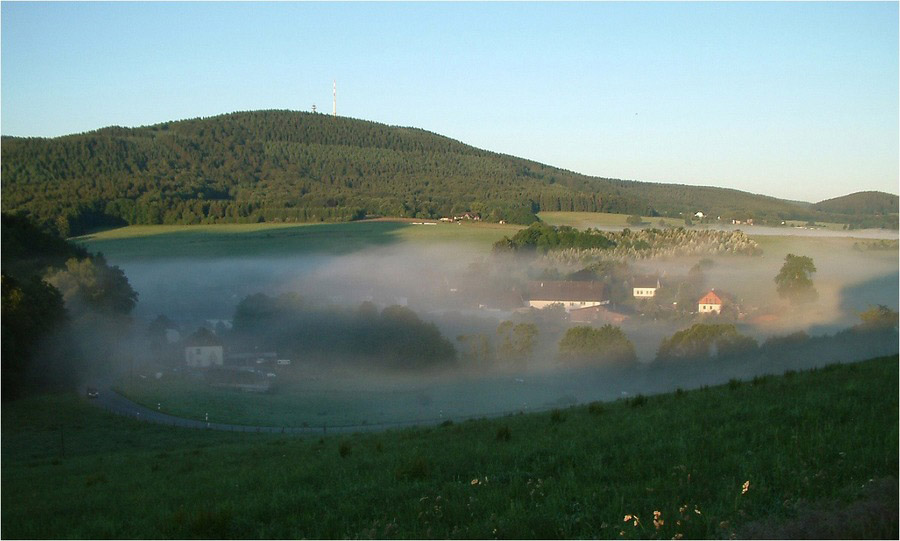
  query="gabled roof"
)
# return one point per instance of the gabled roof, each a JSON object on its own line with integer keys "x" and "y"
{"x": 202, "y": 338}
{"x": 710, "y": 298}
{"x": 567, "y": 291}
{"x": 645, "y": 282}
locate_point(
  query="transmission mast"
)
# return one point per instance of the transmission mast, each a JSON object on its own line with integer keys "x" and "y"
{"x": 334, "y": 96}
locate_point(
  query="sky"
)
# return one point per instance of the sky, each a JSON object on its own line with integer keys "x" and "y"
{"x": 795, "y": 100}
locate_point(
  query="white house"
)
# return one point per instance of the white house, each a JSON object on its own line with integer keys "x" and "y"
{"x": 572, "y": 295}
{"x": 203, "y": 356}
{"x": 203, "y": 350}
{"x": 644, "y": 287}
{"x": 710, "y": 303}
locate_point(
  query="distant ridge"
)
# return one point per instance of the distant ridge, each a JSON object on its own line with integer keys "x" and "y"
{"x": 296, "y": 166}
{"x": 862, "y": 204}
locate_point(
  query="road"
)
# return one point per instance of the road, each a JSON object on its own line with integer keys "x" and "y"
{"x": 113, "y": 402}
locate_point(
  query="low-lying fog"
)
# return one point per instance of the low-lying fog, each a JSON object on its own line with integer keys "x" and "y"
{"x": 456, "y": 287}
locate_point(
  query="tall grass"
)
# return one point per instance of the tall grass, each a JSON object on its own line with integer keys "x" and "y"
{"x": 720, "y": 461}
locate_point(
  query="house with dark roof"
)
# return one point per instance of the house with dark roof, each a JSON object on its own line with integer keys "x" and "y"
{"x": 644, "y": 287}
{"x": 571, "y": 294}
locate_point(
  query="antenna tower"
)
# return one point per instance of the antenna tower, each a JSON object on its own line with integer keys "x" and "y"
{"x": 334, "y": 96}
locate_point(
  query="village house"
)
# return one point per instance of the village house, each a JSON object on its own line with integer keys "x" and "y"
{"x": 203, "y": 350}
{"x": 644, "y": 287}
{"x": 710, "y": 303}
{"x": 571, "y": 294}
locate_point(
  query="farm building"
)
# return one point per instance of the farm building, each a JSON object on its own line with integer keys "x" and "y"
{"x": 710, "y": 303}
{"x": 596, "y": 314}
{"x": 572, "y": 295}
{"x": 644, "y": 287}
{"x": 202, "y": 350}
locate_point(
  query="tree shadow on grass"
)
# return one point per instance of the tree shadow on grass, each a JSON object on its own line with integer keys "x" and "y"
{"x": 286, "y": 240}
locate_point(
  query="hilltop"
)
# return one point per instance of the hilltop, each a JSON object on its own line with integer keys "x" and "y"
{"x": 296, "y": 166}
{"x": 861, "y": 204}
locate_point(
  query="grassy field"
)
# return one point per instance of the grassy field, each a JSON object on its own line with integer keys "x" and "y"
{"x": 809, "y": 454}
{"x": 230, "y": 240}
{"x": 583, "y": 220}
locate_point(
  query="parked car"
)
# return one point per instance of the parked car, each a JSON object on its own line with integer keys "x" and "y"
{"x": 92, "y": 392}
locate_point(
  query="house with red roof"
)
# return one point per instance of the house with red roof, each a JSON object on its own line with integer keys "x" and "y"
{"x": 710, "y": 303}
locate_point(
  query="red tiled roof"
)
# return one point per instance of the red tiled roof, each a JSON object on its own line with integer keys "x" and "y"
{"x": 710, "y": 298}
{"x": 567, "y": 291}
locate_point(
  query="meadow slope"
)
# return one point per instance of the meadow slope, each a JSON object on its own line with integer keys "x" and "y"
{"x": 812, "y": 454}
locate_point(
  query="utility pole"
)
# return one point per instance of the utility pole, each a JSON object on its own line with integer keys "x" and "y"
{"x": 334, "y": 97}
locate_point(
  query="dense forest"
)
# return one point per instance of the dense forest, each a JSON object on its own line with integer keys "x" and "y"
{"x": 871, "y": 204}
{"x": 295, "y": 166}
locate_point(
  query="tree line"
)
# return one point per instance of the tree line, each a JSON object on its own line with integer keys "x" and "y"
{"x": 63, "y": 310}
{"x": 293, "y": 166}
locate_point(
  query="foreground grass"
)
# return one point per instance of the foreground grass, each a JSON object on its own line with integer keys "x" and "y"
{"x": 744, "y": 457}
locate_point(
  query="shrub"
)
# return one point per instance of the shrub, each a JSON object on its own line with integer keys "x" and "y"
{"x": 595, "y": 408}
{"x": 503, "y": 433}
{"x": 638, "y": 401}
{"x": 608, "y": 344}
{"x": 556, "y": 416}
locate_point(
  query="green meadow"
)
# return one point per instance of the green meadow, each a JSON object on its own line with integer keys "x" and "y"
{"x": 584, "y": 220}
{"x": 272, "y": 239}
{"x": 810, "y": 454}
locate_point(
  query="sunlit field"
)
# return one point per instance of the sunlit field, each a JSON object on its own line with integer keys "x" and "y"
{"x": 272, "y": 239}
{"x": 583, "y": 220}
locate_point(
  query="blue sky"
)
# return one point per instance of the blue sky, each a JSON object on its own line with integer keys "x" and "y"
{"x": 796, "y": 100}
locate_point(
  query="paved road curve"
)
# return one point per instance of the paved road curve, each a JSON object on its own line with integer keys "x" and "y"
{"x": 113, "y": 402}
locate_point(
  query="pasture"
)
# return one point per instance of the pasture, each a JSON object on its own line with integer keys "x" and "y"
{"x": 810, "y": 454}
{"x": 149, "y": 242}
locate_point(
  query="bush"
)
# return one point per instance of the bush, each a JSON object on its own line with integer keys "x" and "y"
{"x": 595, "y": 408}
{"x": 638, "y": 401}
{"x": 503, "y": 433}
{"x": 606, "y": 344}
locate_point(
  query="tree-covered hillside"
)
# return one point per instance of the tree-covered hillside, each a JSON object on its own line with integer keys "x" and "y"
{"x": 294, "y": 166}
{"x": 861, "y": 204}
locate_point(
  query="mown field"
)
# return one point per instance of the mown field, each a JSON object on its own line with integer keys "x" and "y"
{"x": 810, "y": 454}
{"x": 272, "y": 239}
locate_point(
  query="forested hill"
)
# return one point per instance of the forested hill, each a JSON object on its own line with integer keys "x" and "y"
{"x": 861, "y": 204}
{"x": 294, "y": 166}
